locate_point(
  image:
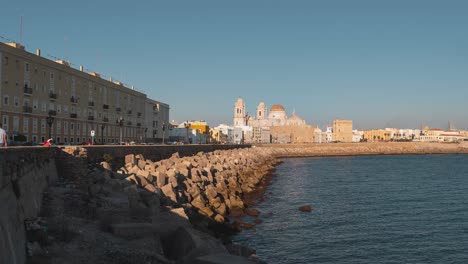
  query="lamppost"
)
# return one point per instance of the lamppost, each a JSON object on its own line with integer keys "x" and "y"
{"x": 102, "y": 133}
{"x": 120, "y": 121}
{"x": 50, "y": 120}
{"x": 164, "y": 130}
{"x": 187, "y": 125}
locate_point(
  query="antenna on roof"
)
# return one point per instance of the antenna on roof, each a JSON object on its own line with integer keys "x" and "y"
{"x": 21, "y": 29}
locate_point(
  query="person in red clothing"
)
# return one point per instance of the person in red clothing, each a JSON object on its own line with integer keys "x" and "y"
{"x": 48, "y": 143}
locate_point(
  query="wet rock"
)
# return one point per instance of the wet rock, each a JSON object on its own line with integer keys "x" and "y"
{"x": 305, "y": 208}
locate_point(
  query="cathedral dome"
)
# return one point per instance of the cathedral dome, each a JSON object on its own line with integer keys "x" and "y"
{"x": 277, "y": 108}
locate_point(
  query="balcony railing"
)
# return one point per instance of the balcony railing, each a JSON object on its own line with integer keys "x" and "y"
{"x": 53, "y": 96}
{"x": 90, "y": 117}
{"x": 118, "y": 109}
{"x": 105, "y": 119}
{"x": 27, "y": 109}
{"x": 90, "y": 103}
{"x": 73, "y": 100}
{"x": 52, "y": 112}
{"x": 28, "y": 90}
{"x": 105, "y": 106}
{"x": 73, "y": 115}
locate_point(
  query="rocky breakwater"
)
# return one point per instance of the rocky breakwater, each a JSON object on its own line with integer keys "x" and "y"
{"x": 209, "y": 184}
{"x": 167, "y": 211}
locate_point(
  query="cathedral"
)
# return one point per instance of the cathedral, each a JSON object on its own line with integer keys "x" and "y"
{"x": 275, "y": 117}
{"x": 272, "y": 126}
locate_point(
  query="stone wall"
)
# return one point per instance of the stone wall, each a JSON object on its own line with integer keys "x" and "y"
{"x": 24, "y": 175}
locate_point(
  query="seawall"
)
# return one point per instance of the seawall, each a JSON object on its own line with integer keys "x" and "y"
{"x": 374, "y": 148}
{"x": 24, "y": 175}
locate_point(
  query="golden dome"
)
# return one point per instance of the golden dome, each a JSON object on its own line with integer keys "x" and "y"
{"x": 277, "y": 108}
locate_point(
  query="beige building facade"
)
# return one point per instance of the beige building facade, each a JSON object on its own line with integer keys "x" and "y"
{"x": 41, "y": 97}
{"x": 343, "y": 130}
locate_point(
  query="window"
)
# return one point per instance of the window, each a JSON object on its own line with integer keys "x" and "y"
{"x": 35, "y": 104}
{"x": 16, "y": 101}
{"x": 34, "y": 129}
{"x": 6, "y": 60}
{"x": 65, "y": 109}
{"x": 51, "y": 76}
{"x": 44, "y": 88}
{"x": 59, "y": 109}
{"x": 43, "y": 127}
{"x": 36, "y": 87}
{"x": 16, "y": 123}
{"x": 5, "y": 123}
{"x": 25, "y": 125}
{"x": 26, "y": 67}
{"x": 44, "y": 106}
{"x": 34, "y": 138}
{"x": 6, "y": 100}
{"x": 59, "y": 127}
{"x": 65, "y": 127}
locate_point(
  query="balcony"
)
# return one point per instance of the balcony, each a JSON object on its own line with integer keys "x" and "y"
{"x": 90, "y": 117}
{"x": 90, "y": 103}
{"x": 73, "y": 100}
{"x": 27, "y": 90}
{"x": 53, "y": 96}
{"x": 27, "y": 109}
{"x": 73, "y": 115}
{"x": 105, "y": 106}
{"x": 118, "y": 109}
{"x": 129, "y": 112}
{"x": 52, "y": 112}
{"x": 105, "y": 119}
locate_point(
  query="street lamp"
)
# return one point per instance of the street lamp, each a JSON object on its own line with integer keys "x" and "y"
{"x": 120, "y": 121}
{"x": 164, "y": 130}
{"x": 50, "y": 120}
{"x": 102, "y": 133}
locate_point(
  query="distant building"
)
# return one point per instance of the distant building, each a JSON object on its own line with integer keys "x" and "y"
{"x": 343, "y": 130}
{"x": 272, "y": 126}
{"x": 377, "y": 135}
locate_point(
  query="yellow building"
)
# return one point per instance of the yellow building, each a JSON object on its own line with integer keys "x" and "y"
{"x": 377, "y": 135}
{"x": 201, "y": 126}
{"x": 343, "y": 130}
{"x": 41, "y": 97}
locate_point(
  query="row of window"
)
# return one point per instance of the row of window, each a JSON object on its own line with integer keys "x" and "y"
{"x": 64, "y": 127}
{"x": 71, "y": 81}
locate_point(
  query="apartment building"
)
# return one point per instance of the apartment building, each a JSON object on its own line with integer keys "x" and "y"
{"x": 42, "y": 98}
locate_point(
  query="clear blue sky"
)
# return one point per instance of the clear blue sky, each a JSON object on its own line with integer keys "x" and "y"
{"x": 379, "y": 63}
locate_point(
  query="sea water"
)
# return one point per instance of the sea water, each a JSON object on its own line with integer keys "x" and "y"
{"x": 366, "y": 209}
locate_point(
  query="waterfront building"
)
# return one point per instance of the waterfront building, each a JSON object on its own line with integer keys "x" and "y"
{"x": 156, "y": 122}
{"x": 377, "y": 135}
{"x": 439, "y": 135}
{"x": 42, "y": 98}
{"x": 358, "y": 135}
{"x": 228, "y": 131}
{"x": 343, "y": 130}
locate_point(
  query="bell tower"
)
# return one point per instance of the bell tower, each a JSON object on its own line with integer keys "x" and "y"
{"x": 239, "y": 112}
{"x": 261, "y": 111}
